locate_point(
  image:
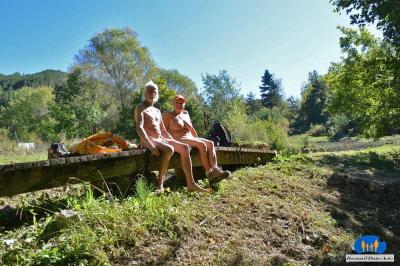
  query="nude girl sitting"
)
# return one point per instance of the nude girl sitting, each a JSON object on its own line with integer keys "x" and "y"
{"x": 179, "y": 125}
{"x": 154, "y": 136}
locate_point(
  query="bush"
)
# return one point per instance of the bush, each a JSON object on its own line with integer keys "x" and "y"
{"x": 340, "y": 126}
{"x": 251, "y": 130}
{"x": 317, "y": 130}
{"x": 6, "y": 144}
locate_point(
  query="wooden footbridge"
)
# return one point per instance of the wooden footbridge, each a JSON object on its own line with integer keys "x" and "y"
{"x": 120, "y": 167}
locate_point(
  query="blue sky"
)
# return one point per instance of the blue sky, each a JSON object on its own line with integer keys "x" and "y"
{"x": 289, "y": 37}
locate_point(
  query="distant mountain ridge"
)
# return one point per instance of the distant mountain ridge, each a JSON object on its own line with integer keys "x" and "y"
{"x": 47, "y": 77}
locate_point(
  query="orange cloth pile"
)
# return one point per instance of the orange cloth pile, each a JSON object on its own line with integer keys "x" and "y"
{"x": 101, "y": 143}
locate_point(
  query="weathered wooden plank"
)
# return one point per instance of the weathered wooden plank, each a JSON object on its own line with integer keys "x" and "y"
{"x": 32, "y": 179}
{"x": 26, "y": 177}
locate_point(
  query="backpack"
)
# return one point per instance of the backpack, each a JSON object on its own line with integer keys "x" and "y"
{"x": 58, "y": 150}
{"x": 220, "y": 135}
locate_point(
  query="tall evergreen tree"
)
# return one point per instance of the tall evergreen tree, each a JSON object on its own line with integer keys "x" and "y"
{"x": 250, "y": 101}
{"x": 293, "y": 105}
{"x": 270, "y": 90}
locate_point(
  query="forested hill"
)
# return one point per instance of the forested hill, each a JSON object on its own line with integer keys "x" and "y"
{"x": 47, "y": 77}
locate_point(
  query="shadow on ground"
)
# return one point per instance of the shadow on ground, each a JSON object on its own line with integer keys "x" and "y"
{"x": 369, "y": 195}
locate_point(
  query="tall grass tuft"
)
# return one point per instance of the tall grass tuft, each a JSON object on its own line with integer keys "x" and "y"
{"x": 142, "y": 192}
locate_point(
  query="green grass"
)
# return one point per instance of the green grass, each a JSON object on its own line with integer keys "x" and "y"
{"x": 285, "y": 212}
{"x": 385, "y": 157}
{"x": 20, "y": 158}
{"x": 379, "y": 150}
{"x": 298, "y": 140}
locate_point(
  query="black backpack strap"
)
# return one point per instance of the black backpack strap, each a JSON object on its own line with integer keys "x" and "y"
{"x": 228, "y": 133}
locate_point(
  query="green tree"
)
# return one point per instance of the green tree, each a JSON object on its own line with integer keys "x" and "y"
{"x": 314, "y": 101}
{"x": 220, "y": 91}
{"x": 270, "y": 90}
{"x": 197, "y": 114}
{"x": 28, "y": 112}
{"x": 78, "y": 107}
{"x": 4, "y": 97}
{"x": 73, "y": 86}
{"x": 180, "y": 83}
{"x": 16, "y": 81}
{"x": 293, "y": 105}
{"x": 384, "y": 13}
{"x": 253, "y": 104}
{"x": 365, "y": 84}
{"x": 339, "y": 126}
{"x": 116, "y": 58}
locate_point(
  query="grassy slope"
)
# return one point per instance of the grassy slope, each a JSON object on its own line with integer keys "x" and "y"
{"x": 297, "y": 210}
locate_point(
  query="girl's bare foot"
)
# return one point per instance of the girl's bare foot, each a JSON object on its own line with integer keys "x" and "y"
{"x": 197, "y": 188}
